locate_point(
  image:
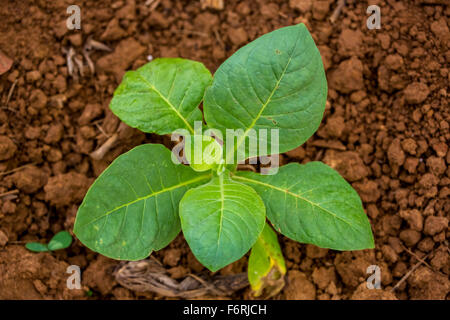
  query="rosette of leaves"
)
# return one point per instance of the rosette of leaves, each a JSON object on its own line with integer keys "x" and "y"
{"x": 142, "y": 201}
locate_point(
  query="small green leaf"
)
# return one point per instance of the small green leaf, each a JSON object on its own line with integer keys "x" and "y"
{"x": 162, "y": 95}
{"x": 36, "y": 247}
{"x": 221, "y": 220}
{"x": 275, "y": 82}
{"x": 312, "y": 203}
{"x": 202, "y": 152}
{"x": 132, "y": 207}
{"x": 61, "y": 240}
{"x": 266, "y": 267}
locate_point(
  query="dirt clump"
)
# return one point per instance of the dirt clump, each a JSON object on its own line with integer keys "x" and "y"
{"x": 385, "y": 129}
{"x": 298, "y": 287}
{"x": 30, "y": 179}
{"x": 363, "y": 293}
{"x": 348, "y": 76}
{"x": 28, "y": 275}
{"x": 67, "y": 188}
{"x": 7, "y": 148}
{"x": 428, "y": 285}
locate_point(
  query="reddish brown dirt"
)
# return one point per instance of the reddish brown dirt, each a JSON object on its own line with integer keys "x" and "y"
{"x": 386, "y": 130}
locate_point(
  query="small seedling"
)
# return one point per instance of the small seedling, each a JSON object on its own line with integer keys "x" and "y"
{"x": 271, "y": 92}
{"x": 61, "y": 240}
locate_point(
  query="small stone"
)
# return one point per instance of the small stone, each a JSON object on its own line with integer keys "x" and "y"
{"x": 416, "y": 92}
{"x": 76, "y": 39}
{"x": 33, "y": 76}
{"x": 368, "y": 190}
{"x": 113, "y": 31}
{"x": 350, "y": 42}
{"x": 414, "y": 218}
{"x": 428, "y": 180}
{"x": 323, "y": 276}
{"x": 237, "y": 36}
{"x": 90, "y": 112}
{"x": 394, "y": 61}
{"x": 298, "y": 287}
{"x": 409, "y": 145}
{"x": 434, "y": 225}
{"x": 440, "y": 259}
{"x": 335, "y": 126}
{"x": 297, "y": 153}
{"x": 395, "y": 153}
{"x": 30, "y": 179}
{"x": 348, "y": 76}
{"x": 32, "y": 133}
{"x": 426, "y": 245}
{"x": 7, "y": 148}
{"x": 364, "y": 293}
{"x": 349, "y": 164}
{"x": 436, "y": 165}
{"x": 440, "y": 29}
{"x": 38, "y": 99}
{"x": 411, "y": 164}
{"x": 5, "y": 63}
{"x": 125, "y": 53}
{"x": 301, "y": 5}
{"x": 389, "y": 253}
{"x": 67, "y": 188}
{"x": 54, "y": 133}
{"x": 172, "y": 257}
{"x": 320, "y": 9}
{"x": 410, "y": 237}
{"x": 440, "y": 148}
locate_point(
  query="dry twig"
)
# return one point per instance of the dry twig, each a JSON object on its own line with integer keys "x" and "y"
{"x": 337, "y": 11}
{"x": 109, "y": 143}
{"x": 9, "y": 193}
{"x": 11, "y": 90}
{"x": 423, "y": 261}
{"x": 150, "y": 276}
{"x": 15, "y": 169}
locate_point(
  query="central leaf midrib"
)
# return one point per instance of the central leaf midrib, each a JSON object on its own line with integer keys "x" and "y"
{"x": 185, "y": 183}
{"x": 286, "y": 191}
{"x": 263, "y": 107}
{"x": 152, "y": 87}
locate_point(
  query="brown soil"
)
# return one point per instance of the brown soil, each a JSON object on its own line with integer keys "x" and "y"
{"x": 386, "y": 130}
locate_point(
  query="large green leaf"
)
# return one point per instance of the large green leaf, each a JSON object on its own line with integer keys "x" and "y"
{"x": 266, "y": 266}
{"x": 221, "y": 220}
{"x": 162, "y": 95}
{"x": 312, "y": 203}
{"x": 132, "y": 207}
{"x": 275, "y": 82}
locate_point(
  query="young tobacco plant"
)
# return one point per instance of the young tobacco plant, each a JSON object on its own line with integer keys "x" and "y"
{"x": 61, "y": 240}
{"x": 143, "y": 199}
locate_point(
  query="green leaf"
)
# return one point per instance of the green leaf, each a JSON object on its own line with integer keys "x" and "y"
{"x": 162, "y": 95}
{"x": 221, "y": 220}
{"x": 132, "y": 207}
{"x": 266, "y": 267}
{"x": 61, "y": 240}
{"x": 202, "y": 152}
{"x": 36, "y": 247}
{"x": 312, "y": 203}
{"x": 275, "y": 82}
